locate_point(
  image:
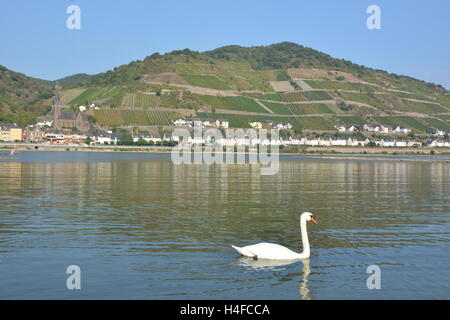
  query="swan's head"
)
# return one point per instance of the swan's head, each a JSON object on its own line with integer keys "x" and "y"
{"x": 308, "y": 216}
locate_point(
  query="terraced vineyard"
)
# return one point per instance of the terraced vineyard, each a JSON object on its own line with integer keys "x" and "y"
{"x": 293, "y": 97}
{"x": 310, "y": 108}
{"x": 141, "y": 100}
{"x": 128, "y": 100}
{"x": 108, "y": 118}
{"x": 231, "y": 103}
{"x": 341, "y": 85}
{"x": 267, "y": 96}
{"x": 282, "y": 86}
{"x": 306, "y": 96}
{"x": 277, "y": 108}
{"x": 364, "y": 98}
{"x": 135, "y": 117}
{"x": 162, "y": 118}
{"x": 69, "y": 95}
{"x": 427, "y": 108}
{"x": 351, "y": 120}
{"x": 208, "y": 81}
{"x": 438, "y": 124}
{"x": 316, "y": 123}
{"x": 415, "y": 124}
{"x": 95, "y": 94}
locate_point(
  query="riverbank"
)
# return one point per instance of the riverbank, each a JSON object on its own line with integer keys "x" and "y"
{"x": 347, "y": 153}
{"x": 295, "y": 151}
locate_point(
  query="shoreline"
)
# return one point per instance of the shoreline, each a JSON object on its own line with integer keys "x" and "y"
{"x": 331, "y": 153}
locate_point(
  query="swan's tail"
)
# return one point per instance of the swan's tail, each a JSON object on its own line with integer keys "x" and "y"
{"x": 244, "y": 252}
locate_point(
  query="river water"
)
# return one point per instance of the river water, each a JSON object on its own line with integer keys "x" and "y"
{"x": 140, "y": 227}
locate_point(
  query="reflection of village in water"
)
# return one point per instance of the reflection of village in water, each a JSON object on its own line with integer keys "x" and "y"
{"x": 209, "y": 193}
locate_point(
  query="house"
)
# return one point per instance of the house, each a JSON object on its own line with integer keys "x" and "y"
{"x": 255, "y": 124}
{"x": 439, "y": 144}
{"x": 182, "y": 123}
{"x": 284, "y": 126}
{"x": 338, "y": 142}
{"x": 103, "y": 137}
{"x": 341, "y": 128}
{"x": 438, "y": 133}
{"x": 108, "y": 139}
{"x": 386, "y": 143}
{"x": 296, "y": 140}
{"x": 44, "y": 123}
{"x": 74, "y": 138}
{"x": 55, "y": 138}
{"x": 353, "y": 129}
{"x": 414, "y": 144}
{"x": 285, "y": 140}
{"x": 384, "y": 129}
{"x": 357, "y": 142}
{"x": 197, "y": 123}
{"x": 198, "y": 140}
{"x": 206, "y": 123}
{"x": 220, "y": 123}
{"x": 312, "y": 142}
{"x": 147, "y": 137}
{"x": 10, "y": 132}
{"x": 370, "y": 128}
{"x": 34, "y": 134}
{"x": 226, "y": 141}
{"x": 402, "y": 130}
{"x": 401, "y": 144}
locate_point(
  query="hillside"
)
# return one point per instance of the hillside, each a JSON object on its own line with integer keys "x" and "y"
{"x": 71, "y": 81}
{"x": 284, "y": 82}
{"x": 22, "y": 98}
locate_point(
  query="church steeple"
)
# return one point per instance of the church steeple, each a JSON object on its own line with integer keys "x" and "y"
{"x": 56, "y": 103}
{"x": 57, "y": 100}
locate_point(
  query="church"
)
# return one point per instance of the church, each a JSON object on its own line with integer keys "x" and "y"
{"x": 62, "y": 119}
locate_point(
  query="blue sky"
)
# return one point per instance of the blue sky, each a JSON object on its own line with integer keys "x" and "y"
{"x": 413, "y": 40}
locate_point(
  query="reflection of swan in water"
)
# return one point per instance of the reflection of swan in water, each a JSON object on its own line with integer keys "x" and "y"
{"x": 277, "y": 265}
{"x": 275, "y": 251}
{"x": 264, "y": 264}
{"x": 304, "y": 291}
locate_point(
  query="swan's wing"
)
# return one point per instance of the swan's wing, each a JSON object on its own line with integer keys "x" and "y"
{"x": 271, "y": 251}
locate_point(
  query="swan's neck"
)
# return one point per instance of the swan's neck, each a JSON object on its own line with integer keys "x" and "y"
{"x": 305, "y": 241}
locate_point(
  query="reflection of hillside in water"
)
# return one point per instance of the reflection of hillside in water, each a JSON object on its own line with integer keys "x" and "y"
{"x": 200, "y": 208}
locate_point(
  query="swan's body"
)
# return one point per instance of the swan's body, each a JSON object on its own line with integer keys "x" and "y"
{"x": 270, "y": 251}
{"x": 275, "y": 251}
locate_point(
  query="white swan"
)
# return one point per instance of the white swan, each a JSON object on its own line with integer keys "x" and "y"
{"x": 275, "y": 251}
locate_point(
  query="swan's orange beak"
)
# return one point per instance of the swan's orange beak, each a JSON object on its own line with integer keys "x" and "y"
{"x": 314, "y": 220}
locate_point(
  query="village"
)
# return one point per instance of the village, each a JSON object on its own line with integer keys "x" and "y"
{"x": 46, "y": 133}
